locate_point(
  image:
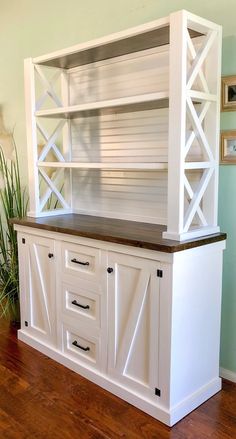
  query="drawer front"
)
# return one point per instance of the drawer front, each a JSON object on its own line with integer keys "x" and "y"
{"x": 82, "y": 347}
{"x": 81, "y": 261}
{"x": 81, "y": 304}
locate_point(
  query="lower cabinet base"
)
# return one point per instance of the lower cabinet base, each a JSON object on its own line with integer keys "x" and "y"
{"x": 163, "y": 414}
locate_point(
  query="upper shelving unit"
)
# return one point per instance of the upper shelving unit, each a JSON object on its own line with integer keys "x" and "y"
{"x": 101, "y": 114}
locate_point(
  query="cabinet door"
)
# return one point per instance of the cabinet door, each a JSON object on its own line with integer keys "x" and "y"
{"x": 133, "y": 310}
{"x": 39, "y": 295}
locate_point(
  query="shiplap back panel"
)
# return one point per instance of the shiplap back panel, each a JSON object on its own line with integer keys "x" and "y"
{"x": 129, "y": 195}
{"x": 141, "y": 136}
{"x": 138, "y": 196}
{"x": 123, "y": 137}
{"x": 134, "y": 74}
{"x": 132, "y": 137}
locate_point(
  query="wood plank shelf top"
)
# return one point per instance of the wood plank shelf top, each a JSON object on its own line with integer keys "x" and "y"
{"x": 136, "y": 234}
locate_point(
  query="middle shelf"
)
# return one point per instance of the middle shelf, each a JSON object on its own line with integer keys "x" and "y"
{"x": 127, "y": 166}
{"x": 125, "y": 104}
{"x": 142, "y": 102}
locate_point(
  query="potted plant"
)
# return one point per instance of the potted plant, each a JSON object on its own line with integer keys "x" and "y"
{"x": 13, "y": 203}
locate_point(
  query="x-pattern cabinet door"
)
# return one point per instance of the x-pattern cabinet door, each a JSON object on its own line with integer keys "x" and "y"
{"x": 39, "y": 288}
{"x": 133, "y": 310}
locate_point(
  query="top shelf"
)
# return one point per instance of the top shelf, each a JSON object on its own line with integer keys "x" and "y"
{"x": 147, "y": 36}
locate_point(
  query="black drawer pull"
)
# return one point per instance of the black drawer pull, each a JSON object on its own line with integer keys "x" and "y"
{"x": 50, "y": 255}
{"x": 74, "y": 302}
{"x": 75, "y": 343}
{"x": 79, "y": 262}
{"x": 109, "y": 270}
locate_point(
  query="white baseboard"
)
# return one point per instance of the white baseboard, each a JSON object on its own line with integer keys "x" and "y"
{"x": 228, "y": 374}
{"x": 194, "y": 400}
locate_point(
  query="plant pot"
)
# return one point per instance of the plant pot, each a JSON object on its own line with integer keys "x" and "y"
{"x": 15, "y": 315}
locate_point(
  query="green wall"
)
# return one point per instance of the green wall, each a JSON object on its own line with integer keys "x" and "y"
{"x": 32, "y": 28}
{"x": 227, "y": 220}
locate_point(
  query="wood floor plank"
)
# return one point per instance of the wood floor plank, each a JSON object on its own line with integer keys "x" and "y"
{"x": 41, "y": 399}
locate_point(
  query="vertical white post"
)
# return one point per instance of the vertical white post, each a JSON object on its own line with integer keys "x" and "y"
{"x": 212, "y": 127}
{"x": 31, "y": 131}
{"x": 177, "y": 123}
{"x": 65, "y": 96}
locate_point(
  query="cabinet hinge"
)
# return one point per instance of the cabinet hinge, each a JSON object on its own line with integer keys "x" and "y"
{"x": 23, "y": 240}
{"x": 26, "y": 323}
{"x": 157, "y": 392}
{"x": 159, "y": 273}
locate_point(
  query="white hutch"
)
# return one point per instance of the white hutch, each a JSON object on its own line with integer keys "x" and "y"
{"x": 120, "y": 255}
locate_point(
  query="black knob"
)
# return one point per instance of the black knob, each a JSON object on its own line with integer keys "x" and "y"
{"x": 50, "y": 255}
{"x": 109, "y": 270}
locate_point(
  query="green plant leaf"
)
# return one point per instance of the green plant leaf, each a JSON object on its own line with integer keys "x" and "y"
{"x": 13, "y": 203}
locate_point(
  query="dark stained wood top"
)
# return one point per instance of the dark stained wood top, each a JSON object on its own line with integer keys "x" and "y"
{"x": 143, "y": 235}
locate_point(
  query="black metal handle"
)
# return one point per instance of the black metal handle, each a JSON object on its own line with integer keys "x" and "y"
{"x": 75, "y": 343}
{"x": 109, "y": 270}
{"x": 79, "y": 262}
{"x": 50, "y": 255}
{"x": 74, "y": 302}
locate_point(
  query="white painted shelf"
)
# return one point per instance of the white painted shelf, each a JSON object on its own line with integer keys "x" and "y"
{"x": 127, "y": 166}
{"x": 143, "y": 102}
{"x": 198, "y": 165}
{"x": 142, "y": 37}
{"x": 131, "y": 103}
{"x": 134, "y": 166}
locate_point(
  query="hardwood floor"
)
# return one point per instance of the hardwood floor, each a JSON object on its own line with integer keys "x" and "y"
{"x": 41, "y": 399}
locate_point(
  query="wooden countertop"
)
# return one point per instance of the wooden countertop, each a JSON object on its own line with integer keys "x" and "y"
{"x": 143, "y": 235}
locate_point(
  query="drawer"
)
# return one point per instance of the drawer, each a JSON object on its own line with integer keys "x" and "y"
{"x": 82, "y": 347}
{"x": 81, "y": 304}
{"x": 81, "y": 260}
